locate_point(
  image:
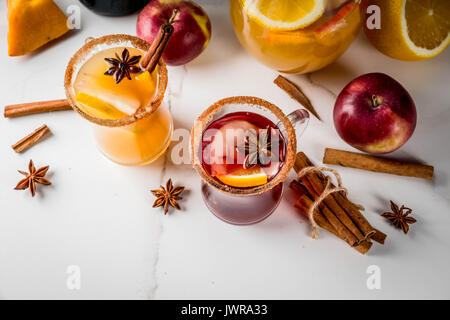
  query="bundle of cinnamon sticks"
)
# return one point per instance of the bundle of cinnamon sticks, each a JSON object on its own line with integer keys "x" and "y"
{"x": 336, "y": 213}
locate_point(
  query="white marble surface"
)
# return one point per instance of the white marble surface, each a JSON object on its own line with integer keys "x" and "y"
{"x": 98, "y": 216}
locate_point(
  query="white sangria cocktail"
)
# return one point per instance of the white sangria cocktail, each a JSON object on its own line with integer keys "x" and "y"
{"x": 132, "y": 125}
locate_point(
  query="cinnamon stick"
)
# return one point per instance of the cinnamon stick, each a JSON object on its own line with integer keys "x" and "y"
{"x": 356, "y": 215}
{"x": 379, "y": 237}
{"x": 22, "y": 109}
{"x": 377, "y": 164}
{"x": 364, "y": 246}
{"x": 332, "y": 217}
{"x": 347, "y": 206}
{"x": 152, "y": 56}
{"x": 296, "y": 93}
{"x": 318, "y": 184}
{"x": 340, "y": 212}
{"x": 304, "y": 203}
{"x": 31, "y": 139}
{"x": 298, "y": 188}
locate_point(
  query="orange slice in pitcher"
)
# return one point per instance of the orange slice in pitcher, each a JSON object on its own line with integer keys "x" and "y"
{"x": 244, "y": 178}
{"x": 285, "y": 14}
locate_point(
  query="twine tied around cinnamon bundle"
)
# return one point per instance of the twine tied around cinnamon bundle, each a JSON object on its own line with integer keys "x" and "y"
{"x": 329, "y": 189}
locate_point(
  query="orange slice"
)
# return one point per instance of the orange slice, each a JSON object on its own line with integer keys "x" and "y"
{"x": 284, "y": 14}
{"x": 244, "y": 178}
{"x": 97, "y": 107}
{"x": 410, "y": 29}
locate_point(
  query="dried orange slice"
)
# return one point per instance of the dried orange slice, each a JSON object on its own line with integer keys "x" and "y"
{"x": 284, "y": 14}
{"x": 244, "y": 178}
{"x": 410, "y": 29}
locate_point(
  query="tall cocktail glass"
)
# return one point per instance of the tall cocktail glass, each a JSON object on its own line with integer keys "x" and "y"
{"x": 131, "y": 124}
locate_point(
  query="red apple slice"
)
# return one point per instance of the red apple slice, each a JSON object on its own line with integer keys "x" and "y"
{"x": 338, "y": 17}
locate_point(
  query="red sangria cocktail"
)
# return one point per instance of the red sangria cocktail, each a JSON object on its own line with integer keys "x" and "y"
{"x": 243, "y": 148}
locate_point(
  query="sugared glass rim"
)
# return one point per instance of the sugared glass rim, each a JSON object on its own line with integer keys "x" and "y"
{"x": 205, "y": 119}
{"x": 85, "y": 52}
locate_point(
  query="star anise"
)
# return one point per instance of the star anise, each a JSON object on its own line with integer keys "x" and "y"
{"x": 399, "y": 217}
{"x": 123, "y": 66}
{"x": 167, "y": 196}
{"x": 34, "y": 176}
{"x": 257, "y": 148}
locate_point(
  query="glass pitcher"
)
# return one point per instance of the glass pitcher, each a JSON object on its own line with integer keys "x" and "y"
{"x": 272, "y": 32}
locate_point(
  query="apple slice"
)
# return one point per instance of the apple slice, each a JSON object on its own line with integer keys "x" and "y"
{"x": 125, "y": 104}
{"x": 339, "y": 16}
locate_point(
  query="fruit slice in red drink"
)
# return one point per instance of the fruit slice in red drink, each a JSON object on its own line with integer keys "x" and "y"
{"x": 244, "y": 178}
{"x": 224, "y": 160}
{"x": 223, "y": 156}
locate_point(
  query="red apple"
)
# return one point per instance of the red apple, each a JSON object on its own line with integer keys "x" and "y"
{"x": 192, "y": 28}
{"x": 374, "y": 113}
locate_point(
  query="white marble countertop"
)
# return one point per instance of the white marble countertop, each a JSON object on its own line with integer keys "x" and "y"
{"x": 98, "y": 216}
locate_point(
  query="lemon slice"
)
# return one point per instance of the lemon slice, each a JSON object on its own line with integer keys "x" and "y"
{"x": 411, "y": 29}
{"x": 97, "y": 107}
{"x": 285, "y": 14}
{"x": 244, "y": 178}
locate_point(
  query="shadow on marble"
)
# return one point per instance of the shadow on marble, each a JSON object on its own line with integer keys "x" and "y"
{"x": 334, "y": 77}
{"x": 430, "y": 144}
{"x": 440, "y": 178}
{"x": 282, "y": 216}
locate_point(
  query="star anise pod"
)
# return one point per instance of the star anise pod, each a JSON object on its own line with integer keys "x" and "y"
{"x": 34, "y": 176}
{"x": 257, "y": 148}
{"x": 123, "y": 66}
{"x": 167, "y": 196}
{"x": 399, "y": 217}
